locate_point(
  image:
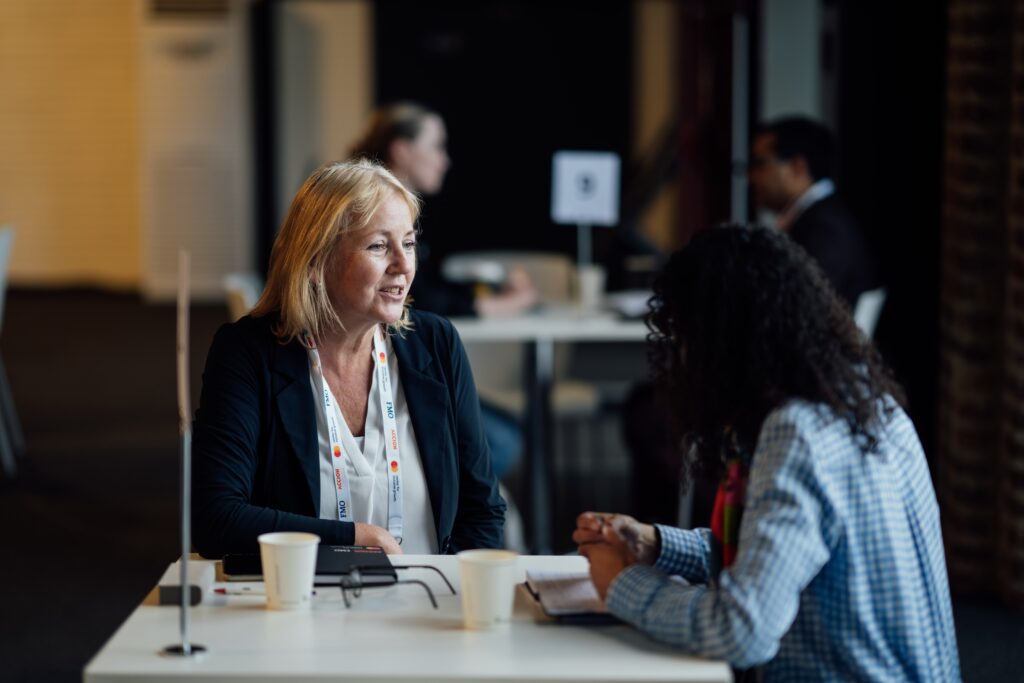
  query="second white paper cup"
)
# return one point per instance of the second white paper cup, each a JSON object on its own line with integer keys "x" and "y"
{"x": 590, "y": 283}
{"x": 488, "y": 586}
{"x": 289, "y": 565}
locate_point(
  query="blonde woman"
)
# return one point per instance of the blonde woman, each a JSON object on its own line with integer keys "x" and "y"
{"x": 335, "y": 409}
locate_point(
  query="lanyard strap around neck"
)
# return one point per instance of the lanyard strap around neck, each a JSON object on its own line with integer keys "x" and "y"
{"x": 387, "y": 412}
{"x": 390, "y": 433}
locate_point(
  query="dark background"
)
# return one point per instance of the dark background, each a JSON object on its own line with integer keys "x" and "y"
{"x": 515, "y": 82}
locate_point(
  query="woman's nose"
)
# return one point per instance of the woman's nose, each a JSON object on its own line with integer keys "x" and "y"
{"x": 404, "y": 261}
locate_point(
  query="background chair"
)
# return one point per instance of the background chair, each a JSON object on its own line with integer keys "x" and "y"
{"x": 868, "y": 308}
{"x": 497, "y": 367}
{"x": 241, "y": 292}
{"x": 12, "y": 440}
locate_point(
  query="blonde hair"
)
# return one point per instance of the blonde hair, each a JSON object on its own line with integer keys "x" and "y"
{"x": 338, "y": 198}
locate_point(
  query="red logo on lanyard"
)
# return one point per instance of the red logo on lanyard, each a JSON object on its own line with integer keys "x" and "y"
{"x": 383, "y": 358}
{"x": 394, "y": 465}
{"x": 337, "y": 449}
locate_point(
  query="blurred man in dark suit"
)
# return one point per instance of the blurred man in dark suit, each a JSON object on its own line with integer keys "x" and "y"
{"x": 791, "y": 167}
{"x": 790, "y": 172}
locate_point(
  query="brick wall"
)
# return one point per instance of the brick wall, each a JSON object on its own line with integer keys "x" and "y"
{"x": 1010, "y": 492}
{"x": 980, "y": 474}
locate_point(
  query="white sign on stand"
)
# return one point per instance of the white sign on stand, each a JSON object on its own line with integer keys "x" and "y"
{"x": 585, "y": 188}
{"x": 584, "y": 193}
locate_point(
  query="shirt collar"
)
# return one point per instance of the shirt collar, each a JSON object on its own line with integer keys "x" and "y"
{"x": 815, "y": 193}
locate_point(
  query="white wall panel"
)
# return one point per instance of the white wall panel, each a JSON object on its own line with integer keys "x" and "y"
{"x": 196, "y": 173}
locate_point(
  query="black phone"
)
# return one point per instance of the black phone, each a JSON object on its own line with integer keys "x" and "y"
{"x": 242, "y": 564}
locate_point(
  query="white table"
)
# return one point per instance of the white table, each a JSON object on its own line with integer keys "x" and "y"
{"x": 539, "y": 332}
{"x": 389, "y": 634}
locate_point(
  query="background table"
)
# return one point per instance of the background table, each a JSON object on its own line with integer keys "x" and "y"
{"x": 389, "y": 634}
{"x": 539, "y": 332}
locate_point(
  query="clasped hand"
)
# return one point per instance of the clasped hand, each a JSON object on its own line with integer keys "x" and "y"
{"x": 612, "y": 542}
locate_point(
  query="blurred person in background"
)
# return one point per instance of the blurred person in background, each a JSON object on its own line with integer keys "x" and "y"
{"x": 791, "y": 170}
{"x": 411, "y": 140}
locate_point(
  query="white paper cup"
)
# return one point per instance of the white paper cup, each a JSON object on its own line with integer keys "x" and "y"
{"x": 289, "y": 564}
{"x": 590, "y": 285}
{"x": 488, "y": 586}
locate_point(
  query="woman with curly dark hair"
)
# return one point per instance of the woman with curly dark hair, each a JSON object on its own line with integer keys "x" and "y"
{"x": 824, "y": 559}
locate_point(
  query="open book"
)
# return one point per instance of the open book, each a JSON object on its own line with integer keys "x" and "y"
{"x": 568, "y": 596}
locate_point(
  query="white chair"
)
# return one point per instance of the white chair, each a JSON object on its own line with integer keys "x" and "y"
{"x": 12, "y": 440}
{"x": 241, "y": 292}
{"x": 868, "y": 308}
{"x": 497, "y": 367}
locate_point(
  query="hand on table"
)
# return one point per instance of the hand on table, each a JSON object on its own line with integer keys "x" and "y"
{"x": 516, "y": 296}
{"x": 370, "y": 534}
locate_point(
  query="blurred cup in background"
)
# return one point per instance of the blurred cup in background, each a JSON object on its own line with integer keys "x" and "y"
{"x": 590, "y": 287}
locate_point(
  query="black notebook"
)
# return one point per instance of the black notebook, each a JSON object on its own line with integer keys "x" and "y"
{"x": 333, "y": 562}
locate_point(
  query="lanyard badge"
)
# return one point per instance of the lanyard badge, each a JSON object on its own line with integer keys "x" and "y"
{"x": 390, "y": 433}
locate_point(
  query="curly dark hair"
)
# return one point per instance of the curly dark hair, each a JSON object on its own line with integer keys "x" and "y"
{"x": 743, "y": 320}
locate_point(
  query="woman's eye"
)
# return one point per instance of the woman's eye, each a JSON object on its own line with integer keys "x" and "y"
{"x": 409, "y": 245}
{"x": 379, "y": 246}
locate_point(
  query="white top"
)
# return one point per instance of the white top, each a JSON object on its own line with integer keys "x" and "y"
{"x": 366, "y": 466}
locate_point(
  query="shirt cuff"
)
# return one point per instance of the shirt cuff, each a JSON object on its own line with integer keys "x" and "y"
{"x": 632, "y": 590}
{"x": 674, "y": 548}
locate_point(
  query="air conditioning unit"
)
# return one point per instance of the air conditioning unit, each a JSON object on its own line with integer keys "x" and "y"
{"x": 196, "y": 149}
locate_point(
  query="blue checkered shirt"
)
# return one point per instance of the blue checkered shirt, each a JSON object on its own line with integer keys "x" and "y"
{"x": 840, "y": 573}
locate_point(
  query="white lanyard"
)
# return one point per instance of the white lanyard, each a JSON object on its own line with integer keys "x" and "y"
{"x": 387, "y": 411}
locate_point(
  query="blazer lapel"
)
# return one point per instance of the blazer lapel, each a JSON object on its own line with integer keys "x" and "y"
{"x": 429, "y": 408}
{"x": 294, "y": 402}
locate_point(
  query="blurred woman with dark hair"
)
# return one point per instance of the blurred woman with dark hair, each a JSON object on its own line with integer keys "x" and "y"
{"x": 824, "y": 559}
{"x": 411, "y": 140}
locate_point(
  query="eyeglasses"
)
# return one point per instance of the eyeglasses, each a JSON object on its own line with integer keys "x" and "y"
{"x": 354, "y": 584}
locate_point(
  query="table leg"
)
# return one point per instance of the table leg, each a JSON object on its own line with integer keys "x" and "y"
{"x": 539, "y": 370}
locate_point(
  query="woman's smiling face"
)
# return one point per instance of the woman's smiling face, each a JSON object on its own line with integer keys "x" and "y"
{"x": 369, "y": 274}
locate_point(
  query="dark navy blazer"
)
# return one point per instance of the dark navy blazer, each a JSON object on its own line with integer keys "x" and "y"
{"x": 255, "y": 460}
{"x": 831, "y": 236}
